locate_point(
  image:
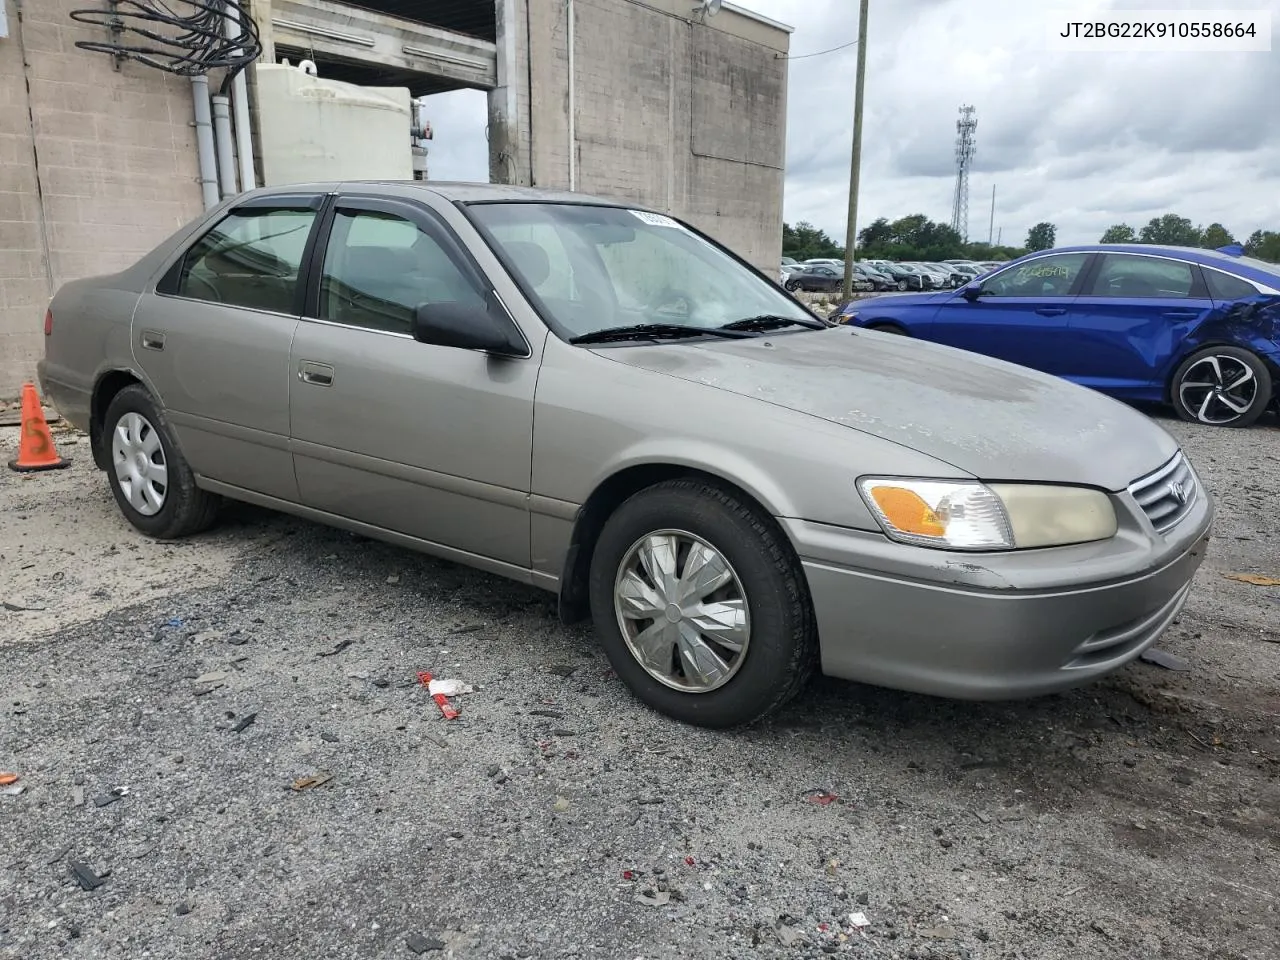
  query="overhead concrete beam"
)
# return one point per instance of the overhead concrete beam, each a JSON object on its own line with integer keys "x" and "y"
{"x": 363, "y": 36}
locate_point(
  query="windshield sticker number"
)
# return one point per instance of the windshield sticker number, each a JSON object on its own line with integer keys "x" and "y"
{"x": 655, "y": 219}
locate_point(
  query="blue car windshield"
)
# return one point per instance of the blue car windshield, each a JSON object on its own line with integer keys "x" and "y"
{"x": 590, "y": 268}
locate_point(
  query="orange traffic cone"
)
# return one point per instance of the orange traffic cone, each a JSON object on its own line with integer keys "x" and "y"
{"x": 35, "y": 443}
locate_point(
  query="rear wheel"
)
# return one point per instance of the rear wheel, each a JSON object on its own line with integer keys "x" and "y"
{"x": 151, "y": 481}
{"x": 1221, "y": 387}
{"x": 902, "y": 285}
{"x": 792, "y": 285}
{"x": 701, "y": 605}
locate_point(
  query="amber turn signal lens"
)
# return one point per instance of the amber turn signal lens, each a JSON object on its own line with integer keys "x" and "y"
{"x": 907, "y": 511}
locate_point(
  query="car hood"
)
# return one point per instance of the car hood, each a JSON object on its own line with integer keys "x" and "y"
{"x": 904, "y": 300}
{"x": 992, "y": 419}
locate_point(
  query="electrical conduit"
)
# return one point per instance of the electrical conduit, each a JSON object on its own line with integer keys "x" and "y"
{"x": 240, "y": 93}
{"x": 573, "y": 130}
{"x": 204, "y": 142}
{"x": 222, "y": 141}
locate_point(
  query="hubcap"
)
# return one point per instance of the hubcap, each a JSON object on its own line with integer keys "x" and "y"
{"x": 1218, "y": 389}
{"x": 682, "y": 611}
{"x": 139, "y": 464}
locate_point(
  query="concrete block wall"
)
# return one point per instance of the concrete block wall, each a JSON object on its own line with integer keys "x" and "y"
{"x": 96, "y": 167}
{"x": 683, "y": 116}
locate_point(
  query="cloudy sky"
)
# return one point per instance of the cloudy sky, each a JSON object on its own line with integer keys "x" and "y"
{"x": 1080, "y": 139}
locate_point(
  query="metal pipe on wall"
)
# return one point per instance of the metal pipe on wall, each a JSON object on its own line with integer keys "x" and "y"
{"x": 240, "y": 93}
{"x": 573, "y": 130}
{"x": 222, "y": 142}
{"x": 204, "y": 142}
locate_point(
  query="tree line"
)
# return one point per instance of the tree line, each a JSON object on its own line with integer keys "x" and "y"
{"x": 916, "y": 237}
{"x": 1175, "y": 231}
{"x": 913, "y": 237}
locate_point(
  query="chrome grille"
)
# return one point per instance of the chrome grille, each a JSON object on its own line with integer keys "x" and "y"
{"x": 1167, "y": 495}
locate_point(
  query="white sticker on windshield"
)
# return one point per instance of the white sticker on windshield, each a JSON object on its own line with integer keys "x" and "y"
{"x": 655, "y": 219}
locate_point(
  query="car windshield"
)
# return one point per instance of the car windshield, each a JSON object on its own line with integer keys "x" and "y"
{"x": 590, "y": 268}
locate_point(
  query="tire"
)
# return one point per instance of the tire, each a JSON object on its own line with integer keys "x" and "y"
{"x": 1221, "y": 387}
{"x": 902, "y": 285}
{"x": 780, "y": 651}
{"x": 792, "y": 286}
{"x": 167, "y": 511}
{"x": 887, "y": 328}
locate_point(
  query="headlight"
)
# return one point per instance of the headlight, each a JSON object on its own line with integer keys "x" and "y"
{"x": 967, "y": 515}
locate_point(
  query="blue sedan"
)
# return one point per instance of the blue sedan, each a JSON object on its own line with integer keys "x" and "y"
{"x": 1197, "y": 329}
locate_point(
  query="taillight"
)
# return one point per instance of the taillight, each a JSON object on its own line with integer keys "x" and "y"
{"x": 48, "y": 323}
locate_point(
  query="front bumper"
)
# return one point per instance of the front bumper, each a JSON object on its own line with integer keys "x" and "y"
{"x": 994, "y": 626}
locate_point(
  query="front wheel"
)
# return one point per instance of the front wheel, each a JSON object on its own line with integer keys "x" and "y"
{"x": 701, "y": 605}
{"x": 792, "y": 285}
{"x": 902, "y": 285}
{"x": 152, "y": 483}
{"x": 1221, "y": 387}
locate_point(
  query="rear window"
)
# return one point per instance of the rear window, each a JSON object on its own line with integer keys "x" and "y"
{"x": 1223, "y": 286}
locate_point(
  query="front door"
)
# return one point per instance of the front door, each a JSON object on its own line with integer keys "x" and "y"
{"x": 434, "y": 442}
{"x": 213, "y": 340}
{"x": 1022, "y": 315}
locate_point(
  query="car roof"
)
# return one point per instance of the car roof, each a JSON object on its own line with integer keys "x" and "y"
{"x": 456, "y": 191}
{"x": 1244, "y": 266}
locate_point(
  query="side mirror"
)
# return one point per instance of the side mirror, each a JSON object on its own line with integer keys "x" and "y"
{"x": 466, "y": 326}
{"x": 971, "y": 291}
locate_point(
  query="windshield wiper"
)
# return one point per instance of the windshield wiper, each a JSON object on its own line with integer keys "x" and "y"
{"x": 653, "y": 331}
{"x": 770, "y": 321}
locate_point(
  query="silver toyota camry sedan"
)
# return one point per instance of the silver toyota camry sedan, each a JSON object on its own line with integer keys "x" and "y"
{"x": 603, "y": 402}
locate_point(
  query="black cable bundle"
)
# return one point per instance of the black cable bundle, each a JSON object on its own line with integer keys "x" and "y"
{"x": 193, "y": 44}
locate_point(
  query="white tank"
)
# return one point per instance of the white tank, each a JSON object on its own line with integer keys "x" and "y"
{"x": 315, "y": 129}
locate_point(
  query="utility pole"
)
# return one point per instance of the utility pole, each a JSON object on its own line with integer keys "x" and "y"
{"x": 991, "y": 227}
{"x": 855, "y": 163}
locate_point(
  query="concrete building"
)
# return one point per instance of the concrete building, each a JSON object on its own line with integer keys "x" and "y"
{"x": 649, "y": 100}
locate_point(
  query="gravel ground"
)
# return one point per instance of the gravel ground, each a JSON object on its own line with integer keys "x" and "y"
{"x": 162, "y": 704}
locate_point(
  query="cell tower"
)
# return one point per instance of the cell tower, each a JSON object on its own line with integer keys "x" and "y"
{"x": 966, "y": 144}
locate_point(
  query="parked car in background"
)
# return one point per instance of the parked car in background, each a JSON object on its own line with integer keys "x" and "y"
{"x": 1196, "y": 329}
{"x": 989, "y": 265}
{"x": 933, "y": 279}
{"x": 879, "y": 281}
{"x": 737, "y": 493}
{"x": 905, "y": 278}
{"x": 823, "y": 278}
{"x": 954, "y": 277}
{"x": 969, "y": 270}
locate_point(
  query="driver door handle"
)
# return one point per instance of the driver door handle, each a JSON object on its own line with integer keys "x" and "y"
{"x": 1051, "y": 311}
{"x": 151, "y": 340}
{"x": 320, "y": 374}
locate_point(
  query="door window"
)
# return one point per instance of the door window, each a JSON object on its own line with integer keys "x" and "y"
{"x": 1123, "y": 275}
{"x": 1051, "y": 276}
{"x": 1223, "y": 286}
{"x": 379, "y": 268}
{"x": 250, "y": 259}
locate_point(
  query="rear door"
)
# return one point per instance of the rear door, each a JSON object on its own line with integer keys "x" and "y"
{"x": 213, "y": 341}
{"x": 1128, "y": 326}
{"x": 1022, "y": 315}
{"x": 434, "y": 442}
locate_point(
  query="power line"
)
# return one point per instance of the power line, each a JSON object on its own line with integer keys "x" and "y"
{"x": 819, "y": 53}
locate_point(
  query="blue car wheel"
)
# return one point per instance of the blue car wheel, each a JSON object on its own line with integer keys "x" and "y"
{"x": 1221, "y": 387}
